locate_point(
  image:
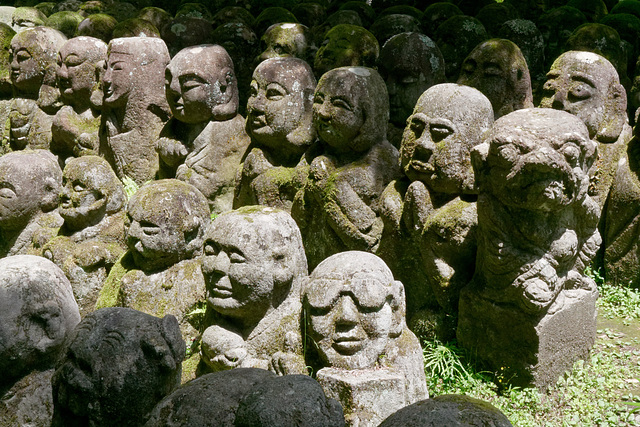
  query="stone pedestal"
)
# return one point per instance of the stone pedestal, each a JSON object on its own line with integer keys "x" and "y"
{"x": 527, "y": 350}
{"x": 367, "y": 396}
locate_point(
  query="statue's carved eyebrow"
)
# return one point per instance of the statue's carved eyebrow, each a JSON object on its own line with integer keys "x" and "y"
{"x": 584, "y": 78}
{"x": 113, "y": 338}
{"x": 553, "y": 74}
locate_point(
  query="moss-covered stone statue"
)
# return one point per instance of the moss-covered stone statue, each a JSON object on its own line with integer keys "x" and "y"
{"x": 75, "y": 126}
{"x": 346, "y": 45}
{"x": 134, "y": 106}
{"x": 498, "y": 69}
{"x": 286, "y": 39}
{"x": 409, "y": 63}
{"x": 119, "y": 364}
{"x": 254, "y": 265}
{"x": 361, "y": 350}
{"x": 92, "y": 237}
{"x": 98, "y": 25}
{"x": 30, "y": 183}
{"x": 279, "y": 122}
{"x": 35, "y": 99}
{"x": 387, "y": 26}
{"x": 586, "y": 84}
{"x": 456, "y": 38}
{"x": 529, "y": 310}
{"x": 204, "y": 142}
{"x": 39, "y": 314}
{"x": 339, "y": 206}
{"x": 160, "y": 273}
{"x": 430, "y": 220}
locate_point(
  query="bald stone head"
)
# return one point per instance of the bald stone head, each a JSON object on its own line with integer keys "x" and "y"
{"x": 79, "y": 71}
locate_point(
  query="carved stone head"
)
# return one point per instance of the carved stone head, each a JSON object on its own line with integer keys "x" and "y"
{"x": 165, "y": 223}
{"x": 410, "y": 63}
{"x": 498, "y": 69}
{"x": 448, "y": 120}
{"x": 80, "y": 65}
{"x": 91, "y": 190}
{"x": 535, "y": 159}
{"x": 279, "y": 109}
{"x": 120, "y": 363}
{"x": 456, "y": 38}
{"x": 351, "y": 109}
{"x": 387, "y": 26}
{"x": 253, "y": 260}
{"x": 354, "y": 308}
{"x": 33, "y": 59}
{"x": 346, "y": 45}
{"x": 586, "y": 84}
{"x": 200, "y": 85}
{"x": 38, "y": 311}
{"x": 285, "y": 39}
{"x": 30, "y": 182}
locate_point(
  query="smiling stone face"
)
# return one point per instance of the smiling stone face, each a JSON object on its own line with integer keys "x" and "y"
{"x": 447, "y": 122}
{"x": 78, "y": 73}
{"x": 354, "y": 307}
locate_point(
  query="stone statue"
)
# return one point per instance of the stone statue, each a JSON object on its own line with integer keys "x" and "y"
{"x": 279, "y": 122}
{"x": 119, "y": 364}
{"x": 286, "y": 39}
{"x": 410, "y": 63}
{"x": 35, "y": 99}
{"x": 30, "y": 182}
{"x": 586, "y": 85}
{"x": 92, "y": 237}
{"x": 537, "y": 232}
{"x": 457, "y": 37}
{"x": 346, "y": 45}
{"x": 339, "y": 205}
{"x": 75, "y": 127}
{"x": 204, "y": 142}
{"x": 134, "y": 106}
{"x": 355, "y": 315}
{"x": 253, "y": 266}
{"x": 38, "y": 315}
{"x": 160, "y": 273}
{"x": 429, "y": 214}
{"x": 497, "y": 68}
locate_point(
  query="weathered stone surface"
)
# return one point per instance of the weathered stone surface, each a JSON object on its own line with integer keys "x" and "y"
{"x": 134, "y": 106}
{"x": 346, "y": 45}
{"x": 98, "y": 25}
{"x": 339, "y": 206}
{"x": 457, "y": 37}
{"x": 31, "y": 181}
{"x": 29, "y": 401}
{"x": 279, "y": 121}
{"x": 528, "y": 37}
{"x": 586, "y": 84}
{"x": 448, "y": 410}
{"x": 253, "y": 265}
{"x": 75, "y": 127}
{"x": 285, "y": 40}
{"x": 498, "y": 69}
{"x": 356, "y": 318}
{"x": 387, "y": 26}
{"x": 120, "y": 363}
{"x": 92, "y": 237}
{"x": 536, "y": 235}
{"x": 291, "y": 400}
{"x": 33, "y": 74}
{"x": 205, "y": 141}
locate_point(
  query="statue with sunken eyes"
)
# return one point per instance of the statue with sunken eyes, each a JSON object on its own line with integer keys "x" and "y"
{"x": 205, "y": 141}
{"x": 537, "y": 232}
{"x": 355, "y": 315}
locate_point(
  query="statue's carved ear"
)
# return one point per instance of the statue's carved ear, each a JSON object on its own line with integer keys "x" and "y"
{"x": 615, "y": 115}
{"x": 399, "y": 309}
{"x": 168, "y": 348}
{"x": 479, "y": 155}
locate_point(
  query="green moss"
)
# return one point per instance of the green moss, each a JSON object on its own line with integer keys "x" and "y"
{"x": 110, "y": 291}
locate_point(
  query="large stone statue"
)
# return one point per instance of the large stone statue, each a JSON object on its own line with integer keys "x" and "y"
{"x": 38, "y": 315}
{"x": 367, "y": 358}
{"x": 75, "y": 126}
{"x": 346, "y": 45}
{"x": 279, "y": 121}
{"x": 160, "y": 273}
{"x": 286, "y": 39}
{"x": 205, "y": 141}
{"x": 587, "y": 85}
{"x": 410, "y": 63}
{"x": 339, "y": 206}
{"x": 431, "y": 210}
{"x": 92, "y": 237}
{"x": 498, "y": 69}
{"x": 529, "y": 309}
{"x": 254, "y": 264}
{"x": 134, "y": 106}
{"x": 33, "y": 74}
{"x": 30, "y": 182}
{"x": 119, "y": 364}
